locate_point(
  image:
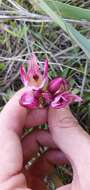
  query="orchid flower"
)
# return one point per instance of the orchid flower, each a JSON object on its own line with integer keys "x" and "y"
{"x": 34, "y": 83}
{"x": 40, "y": 92}
{"x": 64, "y": 99}
{"x": 33, "y": 79}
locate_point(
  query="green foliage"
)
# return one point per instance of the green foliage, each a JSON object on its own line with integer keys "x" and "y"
{"x": 18, "y": 32}
{"x": 71, "y": 31}
{"x": 68, "y": 11}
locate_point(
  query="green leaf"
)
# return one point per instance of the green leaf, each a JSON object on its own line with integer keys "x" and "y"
{"x": 69, "y": 11}
{"x": 82, "y": 41}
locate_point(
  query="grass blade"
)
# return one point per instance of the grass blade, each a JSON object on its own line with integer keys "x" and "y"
{"x": 82, "y": 41}
{"x": 69, "y": 11}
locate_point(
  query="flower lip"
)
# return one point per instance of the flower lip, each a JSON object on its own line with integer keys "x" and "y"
{"x": 65, "y": 99}
{"x": 36, "y": 77}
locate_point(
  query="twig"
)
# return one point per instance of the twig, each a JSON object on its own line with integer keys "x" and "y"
{"x": 40, "y": 18}
{"x": 84, "y": 78}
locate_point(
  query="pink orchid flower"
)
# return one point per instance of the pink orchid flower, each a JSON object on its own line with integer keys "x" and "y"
{"x": 64, "y": 99}
{"x": 34, "y": 83}
{"x": 40, "y": 92}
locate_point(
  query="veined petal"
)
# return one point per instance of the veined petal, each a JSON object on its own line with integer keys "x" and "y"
{"x": 72, "y": 97}
{"x": 45, "y": 68}
{"x": 65, "y": 99}
{"x": 59, "y": 102}
{"x": 29, "y": 101}
{"x": 23, "y": 75}
{"x": 58, "y": 85}
{"x": 33, "y": 67}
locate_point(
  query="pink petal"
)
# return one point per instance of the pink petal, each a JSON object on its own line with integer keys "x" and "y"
{"x": 44, "y": 84}
{"x": 46, "y": 68}
{"x": 65, "y": 99}
{"x": 28, "y": 101}
{"x": 58, "y": 85}
{"x": 59, "y": 102}
{"x": 33, "y": 68}
{"x": 23, "y": 75}
{"x": 71, "y": 97}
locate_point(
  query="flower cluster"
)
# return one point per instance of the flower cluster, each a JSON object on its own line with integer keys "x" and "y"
{"x": 40, "y": 91}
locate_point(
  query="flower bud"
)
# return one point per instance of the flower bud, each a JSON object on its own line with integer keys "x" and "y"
{"x": 58, "y": 85}
{"x": 28, "y": 101}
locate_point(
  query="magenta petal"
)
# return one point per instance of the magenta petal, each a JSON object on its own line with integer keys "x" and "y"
{"x": 71, "y": 97}
{"x": 65, "y": 99}
{"x": 23, "y": 75}
{"x": 59, "y": 102}
{"x": 58, "y": 85}
{"x": 28, "y": 101}
{"x": 46, "y": 68}
{"x": 33, "y": 67}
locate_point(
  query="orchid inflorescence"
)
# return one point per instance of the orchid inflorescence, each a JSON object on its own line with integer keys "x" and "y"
{"x": 40, "y": 91}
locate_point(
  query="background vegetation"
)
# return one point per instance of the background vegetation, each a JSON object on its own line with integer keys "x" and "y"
{"x": 58, "y": 30}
